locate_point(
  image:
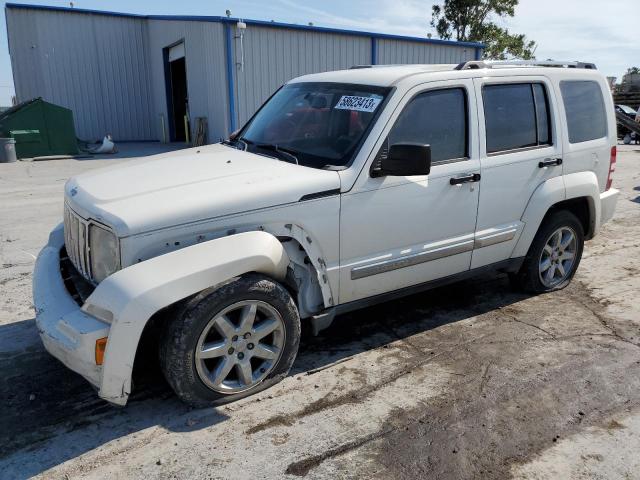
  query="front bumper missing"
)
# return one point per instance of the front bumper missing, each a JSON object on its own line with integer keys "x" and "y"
{"x": 67, "y": 332}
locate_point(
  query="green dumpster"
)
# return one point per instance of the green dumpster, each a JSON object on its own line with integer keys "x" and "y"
{"x": 40, "y": 129}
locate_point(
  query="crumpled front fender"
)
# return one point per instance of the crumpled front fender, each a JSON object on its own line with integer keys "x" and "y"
{"x": 128, "y": 298}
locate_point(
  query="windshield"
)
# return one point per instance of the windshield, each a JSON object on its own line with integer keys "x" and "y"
{"x": 318, "y": 125}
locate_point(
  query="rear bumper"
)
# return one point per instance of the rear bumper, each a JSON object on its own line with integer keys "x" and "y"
{"x": 608, "y": 201}
{"x": 67, "y": 332}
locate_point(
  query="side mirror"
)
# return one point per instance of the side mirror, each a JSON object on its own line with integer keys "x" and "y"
{"x": 403, "y": 159}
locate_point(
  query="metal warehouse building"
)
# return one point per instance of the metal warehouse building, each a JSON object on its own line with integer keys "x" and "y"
{"x": 137, "y": 76}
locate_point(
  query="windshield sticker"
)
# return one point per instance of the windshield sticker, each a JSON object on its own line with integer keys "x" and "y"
{"x": 360, "y": 104}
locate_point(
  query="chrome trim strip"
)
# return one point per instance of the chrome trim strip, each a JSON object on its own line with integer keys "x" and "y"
{"x": 496, "y": 237}
{"x": 76, "y": 240}
{"x": 410, "y": 260}
{"x": 76, "y": 231}
{"x": 520, "y": 149}
{"x": 82, "y": 246}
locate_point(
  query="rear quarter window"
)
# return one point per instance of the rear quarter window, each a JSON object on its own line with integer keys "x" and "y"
{"x": 584, "y": 108}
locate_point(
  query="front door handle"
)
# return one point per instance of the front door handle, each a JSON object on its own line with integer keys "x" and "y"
{"x": 550, "y": 162}
{"x": 466, "y": 178}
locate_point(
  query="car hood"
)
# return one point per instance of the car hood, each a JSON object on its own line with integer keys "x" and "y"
{"x": 189, "y": 185}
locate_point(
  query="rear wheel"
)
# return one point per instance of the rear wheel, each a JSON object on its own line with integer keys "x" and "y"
{"x": 232, "y": 341}
{"x": 554, "y": 254}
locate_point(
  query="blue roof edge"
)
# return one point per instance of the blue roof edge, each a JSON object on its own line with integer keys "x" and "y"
{"x": 262, "y": 23}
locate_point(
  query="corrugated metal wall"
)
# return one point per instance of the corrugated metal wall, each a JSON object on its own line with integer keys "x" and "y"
{"x": 392, "y": 51}
{"x": 109, "y": 68}
{"x": 206, "y": 72}
{"x": 93, "y": 64}
{"x": 273, "y": 56}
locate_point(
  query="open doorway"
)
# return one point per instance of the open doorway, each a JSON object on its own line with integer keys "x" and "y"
{"x": 177, "y": 94}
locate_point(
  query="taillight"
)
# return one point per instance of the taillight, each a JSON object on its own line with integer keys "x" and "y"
{"x": 612, "y": 166}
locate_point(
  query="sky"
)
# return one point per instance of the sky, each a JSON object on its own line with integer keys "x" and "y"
{"x": 606, "y": 33}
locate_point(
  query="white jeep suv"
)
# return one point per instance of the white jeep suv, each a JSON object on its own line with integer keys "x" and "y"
{"x": 345, "y": 189}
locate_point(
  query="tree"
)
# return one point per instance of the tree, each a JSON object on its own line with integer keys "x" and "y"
{"x": 472, "y": 21}
{"x": 633, "y": 71}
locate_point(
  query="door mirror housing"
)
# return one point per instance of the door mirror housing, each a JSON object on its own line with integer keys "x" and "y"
{"x": 403, "y": 160}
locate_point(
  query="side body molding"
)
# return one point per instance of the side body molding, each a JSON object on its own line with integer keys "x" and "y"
{"x": 135, "y": 293}
{"x": 554, "y": 190}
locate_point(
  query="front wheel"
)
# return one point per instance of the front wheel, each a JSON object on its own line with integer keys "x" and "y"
{"x": 554, "y": 255}
{"x": 231, "y": 341}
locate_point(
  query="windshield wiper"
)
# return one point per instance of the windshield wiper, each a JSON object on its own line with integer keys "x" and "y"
{"x": 236, "y": 143}
{"x": 282, "y": 151}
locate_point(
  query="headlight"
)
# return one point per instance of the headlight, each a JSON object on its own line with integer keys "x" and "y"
{"x": 103, "y": 251}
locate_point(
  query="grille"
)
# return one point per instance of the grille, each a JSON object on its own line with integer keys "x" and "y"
{"x": 75, "y": 239}
{"x": 78, "y": 287}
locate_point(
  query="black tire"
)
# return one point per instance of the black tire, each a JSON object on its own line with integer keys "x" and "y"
{"x": 182, "y": 333}
{"x": 528, "y": 277}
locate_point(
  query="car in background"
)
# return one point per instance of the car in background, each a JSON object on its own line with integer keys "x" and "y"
{"x": 628, "y": 111}
{"x": 626, "y": 130}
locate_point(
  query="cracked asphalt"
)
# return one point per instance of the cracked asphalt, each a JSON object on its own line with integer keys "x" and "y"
{"x": 466, "y": 381}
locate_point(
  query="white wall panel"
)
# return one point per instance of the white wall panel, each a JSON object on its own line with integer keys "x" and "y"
{"x": 92, "y": 64}
{"x": 273, "y": 56}
{"x": 206, "y": 72}
{"x": 109, "y": 68}
{"x": 393, "y": 51}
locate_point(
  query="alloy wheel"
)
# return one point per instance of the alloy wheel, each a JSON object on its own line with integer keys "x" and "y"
{"x": 558, "y": 257}
{"x": 240, "y": 346}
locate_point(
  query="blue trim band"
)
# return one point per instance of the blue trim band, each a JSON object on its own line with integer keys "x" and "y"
{"x": 230, "y": 77}
{"x": 261, "y": 23}
{"x": 374, "y": 51}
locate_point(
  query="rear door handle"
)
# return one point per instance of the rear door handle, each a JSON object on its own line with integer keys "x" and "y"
{"x": 550, "y": 162}
{"x": 466, "y": 178}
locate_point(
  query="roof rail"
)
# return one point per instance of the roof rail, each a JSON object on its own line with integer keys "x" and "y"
{"x": 471, "y": 65}
{"x": 475, "y": 64}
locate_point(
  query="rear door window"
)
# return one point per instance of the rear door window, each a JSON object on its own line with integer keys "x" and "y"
{"x": 584, "y": 107}
{"x": 437, "y": 118}
{"x": 516, "y": 116}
